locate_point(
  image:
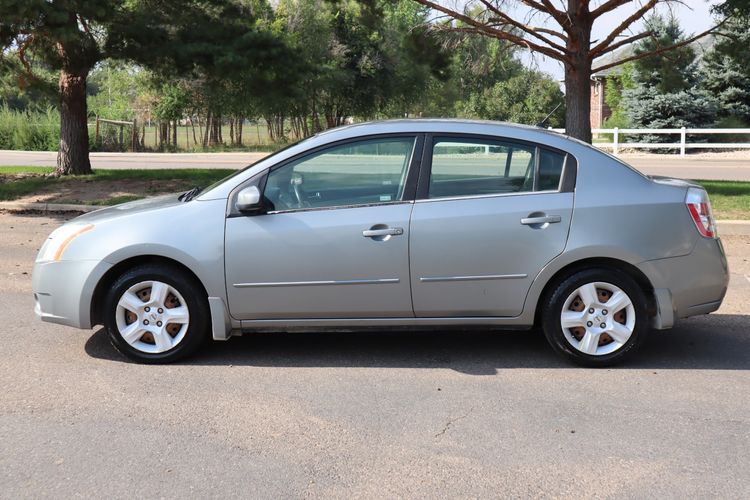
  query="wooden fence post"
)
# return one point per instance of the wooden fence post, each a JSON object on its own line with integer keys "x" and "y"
{"x": 96, "y": 133}
{"x": 134, "y": 136}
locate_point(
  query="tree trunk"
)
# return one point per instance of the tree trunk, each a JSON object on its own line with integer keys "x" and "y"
{"x": 208, "y": 126}
{"x": 578, "y": 73}
{"x": 578, "y": 103}
{"x": 73, "y": 154}
{"x": 214, "y": 137}
{"x": 192, "y": 125}
{"x": 269, "y": 126}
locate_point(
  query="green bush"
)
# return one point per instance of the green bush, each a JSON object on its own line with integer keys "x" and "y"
{"x": 29, "y": 130}
{"x": 728, "y": 122}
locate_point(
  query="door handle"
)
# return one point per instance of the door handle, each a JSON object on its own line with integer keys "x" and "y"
{"x": 388, "y": 231}
{"x": 542, "y": 219}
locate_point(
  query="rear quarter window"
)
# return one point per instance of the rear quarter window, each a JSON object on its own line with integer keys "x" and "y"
{"x": 550, "y": 170}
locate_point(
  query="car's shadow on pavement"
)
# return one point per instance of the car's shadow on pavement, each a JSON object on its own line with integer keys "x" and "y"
{"x": 715, "y": 342}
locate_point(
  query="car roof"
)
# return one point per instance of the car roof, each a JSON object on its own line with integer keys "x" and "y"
{"x": 452, "y": 125}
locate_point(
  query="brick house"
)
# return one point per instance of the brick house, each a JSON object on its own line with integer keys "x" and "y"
{"x": 599, "y": 109}
{"x": 602, "y": 80}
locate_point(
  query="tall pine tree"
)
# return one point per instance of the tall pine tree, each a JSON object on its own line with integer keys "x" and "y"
{"x": 665, "y": 93}
{"x": 726, "y": 72}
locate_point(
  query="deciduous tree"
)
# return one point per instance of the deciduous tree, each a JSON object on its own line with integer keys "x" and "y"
{"x": 561, "y": 31}
{"x": 72, "y": 36}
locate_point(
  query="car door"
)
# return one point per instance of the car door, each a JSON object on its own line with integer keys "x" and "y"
{"x": 333, "y": 242}
{"x": 489, "y": 215}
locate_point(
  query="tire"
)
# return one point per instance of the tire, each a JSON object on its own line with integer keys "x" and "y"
{"x": 608, "y": 335}
{"x": 159, "y": 329}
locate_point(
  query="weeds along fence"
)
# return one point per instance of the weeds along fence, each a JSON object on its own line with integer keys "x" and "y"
{"x": 675, "y": 139}
{"x": 29, "y": 130}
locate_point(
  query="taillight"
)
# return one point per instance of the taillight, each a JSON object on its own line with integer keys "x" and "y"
{"x": 700, "y": 210}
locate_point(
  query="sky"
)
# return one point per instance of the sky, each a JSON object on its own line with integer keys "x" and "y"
{"x": 694, "y": 17}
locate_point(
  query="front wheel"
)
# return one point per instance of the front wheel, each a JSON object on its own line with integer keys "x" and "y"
{"x": 596, "y": 317}
{"x": 156, "y": 314}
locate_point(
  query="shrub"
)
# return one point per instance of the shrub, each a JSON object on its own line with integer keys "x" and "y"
{"x": 29, "y": 130}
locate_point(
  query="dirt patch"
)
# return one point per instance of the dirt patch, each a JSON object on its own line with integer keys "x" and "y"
{"x": 94, "y": 191}
{"x": 18, "y": 177}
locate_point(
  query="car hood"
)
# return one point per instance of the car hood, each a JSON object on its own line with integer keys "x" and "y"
{"x": 131, "y": 208}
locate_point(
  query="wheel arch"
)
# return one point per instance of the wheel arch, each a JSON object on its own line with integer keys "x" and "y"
{"x": 118, "y": 269}
{"x": 597, "y": 262}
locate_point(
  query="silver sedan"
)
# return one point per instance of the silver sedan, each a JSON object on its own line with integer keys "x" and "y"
{"x": 408, "y": 223}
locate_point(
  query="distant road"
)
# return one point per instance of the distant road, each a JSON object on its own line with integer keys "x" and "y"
{"x": 669, "y": 166}
{"x": 137, "y": 160}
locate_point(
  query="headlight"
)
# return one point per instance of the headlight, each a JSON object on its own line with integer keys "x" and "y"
{"x": 59, "y": 240}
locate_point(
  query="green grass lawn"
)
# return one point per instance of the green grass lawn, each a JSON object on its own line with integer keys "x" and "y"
{"x": 730, "y": 199}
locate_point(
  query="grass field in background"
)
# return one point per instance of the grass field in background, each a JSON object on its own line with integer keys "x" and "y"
{"x": 730, "y": 199}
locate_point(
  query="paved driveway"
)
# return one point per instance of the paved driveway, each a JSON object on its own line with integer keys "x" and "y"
{"x": 666, "y": 165}
{"x": 369, "y": 415}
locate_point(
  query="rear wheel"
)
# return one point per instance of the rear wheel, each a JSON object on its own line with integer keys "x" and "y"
{"x": 596, "y": 317}
{"x": 156, "y": 314}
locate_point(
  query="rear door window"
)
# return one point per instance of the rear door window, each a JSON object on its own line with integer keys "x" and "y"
{"x": 474, "y": 167}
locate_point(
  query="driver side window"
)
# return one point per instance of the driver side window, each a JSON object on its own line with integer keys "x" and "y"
{"x": 356, "y": 173}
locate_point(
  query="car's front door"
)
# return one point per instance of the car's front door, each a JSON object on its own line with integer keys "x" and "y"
{"x": 489, "y": 215}
{"x": 334, "y": 240}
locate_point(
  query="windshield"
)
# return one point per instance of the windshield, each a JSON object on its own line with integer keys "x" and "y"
{"x": 238, "y": 172}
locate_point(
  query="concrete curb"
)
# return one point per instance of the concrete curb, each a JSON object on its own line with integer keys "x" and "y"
{"x": 734, "y": 227}
{"x": 16, "y": 206}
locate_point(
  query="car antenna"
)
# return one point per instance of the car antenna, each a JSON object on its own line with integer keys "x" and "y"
{"x": 541, "y": 123}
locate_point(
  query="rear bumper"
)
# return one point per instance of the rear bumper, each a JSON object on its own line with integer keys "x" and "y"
{"x": 689, "y": 285}
{"x": 63, "y": 290}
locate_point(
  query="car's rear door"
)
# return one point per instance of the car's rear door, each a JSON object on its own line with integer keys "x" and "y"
{"x": 334, "y": 242}
{"x": 490, "y": 214}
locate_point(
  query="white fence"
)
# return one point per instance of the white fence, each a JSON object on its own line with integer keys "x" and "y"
{"x": 682, "y": 145}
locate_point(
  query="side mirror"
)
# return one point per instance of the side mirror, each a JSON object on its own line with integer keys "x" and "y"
{"x": 249, "y": 199}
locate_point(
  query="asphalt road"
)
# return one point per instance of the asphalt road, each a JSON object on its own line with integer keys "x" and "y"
{"x": 669, "y": 166}
{"x": 370, "y": 415}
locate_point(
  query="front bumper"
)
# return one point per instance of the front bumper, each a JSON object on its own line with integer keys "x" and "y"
{"x": 63, "y": 290}
{"x": 689, "y": 285}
